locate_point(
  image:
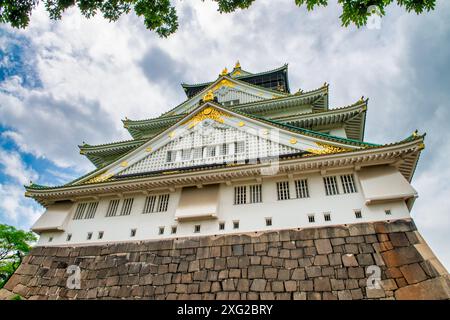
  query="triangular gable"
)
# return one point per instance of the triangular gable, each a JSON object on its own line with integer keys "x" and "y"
{"x": 219, "y": 118}
{"x": 226, "y": 88}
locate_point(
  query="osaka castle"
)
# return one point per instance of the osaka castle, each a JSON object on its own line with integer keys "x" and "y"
{"x": 242, "y": 153}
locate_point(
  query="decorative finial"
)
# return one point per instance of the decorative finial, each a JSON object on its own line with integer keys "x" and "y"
{"x": 126, "y": 118}
{"x": 84, "y": 142}
{"x": 31, "y": 182}
{"x": 209, "y": 96}
{"x": 362, "y": 98}
{"x": 415, "y": 133}
{"x": 237, "y": 65}
{"x": 224, "y": 71}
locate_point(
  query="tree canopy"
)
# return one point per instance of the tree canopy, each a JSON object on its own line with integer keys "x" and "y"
{"x": 160, "y": 15}
{"x": 14, "y": 244}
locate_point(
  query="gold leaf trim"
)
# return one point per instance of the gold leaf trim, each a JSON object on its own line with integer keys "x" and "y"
{"x": 207, "y": 113}
{"x": 326, "y": 149}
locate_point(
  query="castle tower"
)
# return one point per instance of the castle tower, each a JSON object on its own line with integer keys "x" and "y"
{"x": 244, "y": 190}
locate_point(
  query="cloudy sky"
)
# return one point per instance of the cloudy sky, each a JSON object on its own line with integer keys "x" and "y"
{"x": 62, "y": 83}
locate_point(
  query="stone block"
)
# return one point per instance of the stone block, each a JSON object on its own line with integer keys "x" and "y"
{"x": 321, "y": 260}
{"x": 270, "y": 273}
{"x": 290, "y": 285}
{"x": 305, "y": 285}
{"x": 243, "y": 285}
{"x": 337, "y": 284}
{"x": 277, "y": 286}
{"x": 413, "y": 273}
{"x": 344, "y": 295}
{"x": 399, "y": 239}
{"x": 258, "y": 285}
{"x": 298, "y": 274}
{"x": 323, "y": 246}
{"x": 313, "y": 271}
{"x": 349, "y": 260}
{"x": 432, "y": 289}
{"x": 255, "y": 272}
{"x": 401, "y": 256}
{"x": 322, "y": 284}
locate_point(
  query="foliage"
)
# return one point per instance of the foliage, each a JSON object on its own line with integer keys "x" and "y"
{"x": 161, "y": 16}
{"x": 14, "y": 244}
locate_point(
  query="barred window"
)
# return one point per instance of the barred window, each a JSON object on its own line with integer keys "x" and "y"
{"x": 69, "y": 237}
{"x": 126, "y": 207}
{"x": 198, "y": 153}
{"x": 348, "y": 183}
{"x": 224, "y": 149}
{"x": 133, "y": 233}
{"x": 283, "y": 190}
{"x": 268, "y": 222}
{"x": 171, "y": 156}
{"x": 89, "y": 236}
{"x": 211, "y": 151}
{"x": 149, "y": 205}
{"x": 221, "y": 225}
{"x": 112, "y": 208}
{"x": 163, "y": 202}
{"x": 186, "y": 154}
{"x": 255, "y": 193}
{"x": 358, "y": 214}
{"x": 174, "y": 229}
{"x": 240, "y": 195}
{"x": 331, "y": 187}
{"x": 388, "y": 212}
{"x": 79, "y": 213}
{"x": 327, "y": 216}
{"x": 311, "y": 218}
{"x": 197, "y": 228}
{"x": 236, "y": 224}
{"x": 100, "y": 235}
{"x": 91, "y": 209}
{"x": 161, "y": 230}
{"x": 301, "y": 188}
{"x": 239, "y": 147}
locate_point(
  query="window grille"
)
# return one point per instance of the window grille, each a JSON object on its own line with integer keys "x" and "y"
{"x": 91, "y": 209}
{"x": 69, "y": 237}
{"x": 89, "y": 236}
{"x": 240, "y": 147}
{"x": 197, "y": 228}
{"x": 112, "y": 208}
{"x": 235, "y": 224}
{"x": 268, "y": 222}
{"x": 301, "y": 188}
{"x": 100, "y": 235}
{"x": 163, "y": 202}
{"x": 348, "y": 183}
{"x": 149, "y": 205}
{"x": 161, "y": 230}
{"x": 283, "y": 190}
{"x": 79, "y": 213}
{"x": 255, "y": 193}
{"x": 311, "y": 218}
{"x": 126, "y": 207}
{"x": 240, "y": 195}
{"x": 133, "y": 233}
{"x": 388, "y": 212}
{"x": 221, "y": 225}
{"x": 174, "y": 229}
{"x": 331, "y": 187}
{"x": 327, "y": 216}
{"x": 358, "y": 214}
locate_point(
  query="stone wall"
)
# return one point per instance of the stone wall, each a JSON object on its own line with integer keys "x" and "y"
{"x": 317, "y": 263}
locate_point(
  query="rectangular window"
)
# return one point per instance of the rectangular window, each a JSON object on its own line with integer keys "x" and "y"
{"x": 186, "y": 154}
{"x": 50, "y": 239}
{"x": 197, "y": 228}
{"x": 211, "y": 151}
{"x": 327, "y": 216}
{"x": 133, "y": 233}
{"x": 255, "y": 193}
{"x": 89, "y": 236}
{"x": 79, "y": 213}
{"x": 149, "y": 205}
{"x": 239, "y": 147}
{"x": 161, "y": 230}
{"x": 358, "y": 214}
{"x": 240, "y": 195}
{"x": 224, "y": 149}
{"x": 163, "y": 202}
{"x": 126, "y": 207}
{"x": 268, "y": 222}
{"x": 69, "y": 237}
{"x": 100, "y": 235}
{"x": 388, "y": 212}
{"x": 301, "y": 188}
{"x": 311, "y": 218}
{"x": 174, "y": 229}
{"x": 171, "y": 156}
{"x": 283, "y": 190}
{"x": 348, "y": 183}
{"x": 331, "y": 187}
{"x": 91, "y": 209}
{"x": 112, "y": 208}
{"x": 236, "y": 224}
{"x": 221, "y": 225}
{"x": 198, "y": 153}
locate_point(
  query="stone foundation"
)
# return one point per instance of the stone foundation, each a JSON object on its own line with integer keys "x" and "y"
{"x": 318, "y": 263}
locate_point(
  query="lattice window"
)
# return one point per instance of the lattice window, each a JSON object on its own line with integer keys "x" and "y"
{"x": 311, "y": 218}
{"x": 173, "y": 230}
{"x": 236, "y": 224}
{"x": 211, "y": 151}
{"x": 112, "y": 208}
{"x": 255, "y": 193}
{"x": 198, "y": 153}
{"x": 240, "y": 195}
{"x": 301, "y": 188}
{"x": 239, "y": 147}
{"x": 388, "y": 212}
{"x": 126, "y": 207}
{"x": 331, "y": 187}
{"x": 358, "y": 214}
{"x": 186, "y": 154}
{"x": 171, "y": 155}
{"x": 348, "y": 183}
{"x": 149, "y": 205}
{"x": 161, "y": 230}
{"x": 327, "y": 216}
{"x": 221, "y": 225}
{"x": 163, "y": 202}
{"x": 79, "y": 212}
{"x": 197, "y": 228}
{"x": 223, "y": 149}
{"x": 283, "y": 190}
{"x": 268, "y": 222}
{"x": 91, "y": 209}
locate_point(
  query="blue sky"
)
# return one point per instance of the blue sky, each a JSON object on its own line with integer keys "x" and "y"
{"x": 62, "y": 83}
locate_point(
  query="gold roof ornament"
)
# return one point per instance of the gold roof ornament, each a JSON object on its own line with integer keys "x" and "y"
{"x": 209, "y": 96}
{"x": 224, "y": 72}
{"x": 237, "y": 65}
{"x": 326, "y": 149}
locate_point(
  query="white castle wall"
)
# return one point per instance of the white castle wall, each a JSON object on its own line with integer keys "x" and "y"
{"x": 285, "y": 214}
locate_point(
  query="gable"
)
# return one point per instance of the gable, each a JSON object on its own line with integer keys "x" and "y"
{"x": 209, "y": 127}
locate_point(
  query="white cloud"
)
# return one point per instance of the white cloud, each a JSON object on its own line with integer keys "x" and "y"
{"x": 11, "y": 164}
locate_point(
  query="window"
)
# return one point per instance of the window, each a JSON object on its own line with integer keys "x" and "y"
{"x": 149, "y": 205}
{"x": 221, "y": 225}
{"x": 50, "y": 239}
{"x": 100, "y": 235}
{"x": 69, "y": 237}
{"x": 171, "y": 155}
{"x": 133, "y": 233}
{"x": 163, "y": 202}
{"x": 348, "y": 183}
{"x": 89, "y": 236}
{"x": 327, "y": 216}
{"x": 331, "y": 187}
{"x": 112, "y": 208}
{"x": 268, "y": 222}
{"x": 283, "y": 190}
{"x": 91, "y": 209}
{"x": 174, "y": 229}
{"x": 198, "y": 153}
{"x": 186, "y": 154}
{"x": 161, "y": 230}
{"x": 358, "y": 214}
{"x": 223, "y": 149}
{"x": 230, "y": 103}
{"x": 239, "y": 147}
{"x": 240, "y": 195}
{"x": 197, "y": 228}
{"x": 255, "y": 193}
{"x": 388, "y": 212}
{"x": 311, "y": 218}
{"x": 79, "y": 213}
{"x": 301, "y": 188}
{"x": 126, "y": 207}
{"x": 236, "y": 224}
{"x": 211, "y": 151}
